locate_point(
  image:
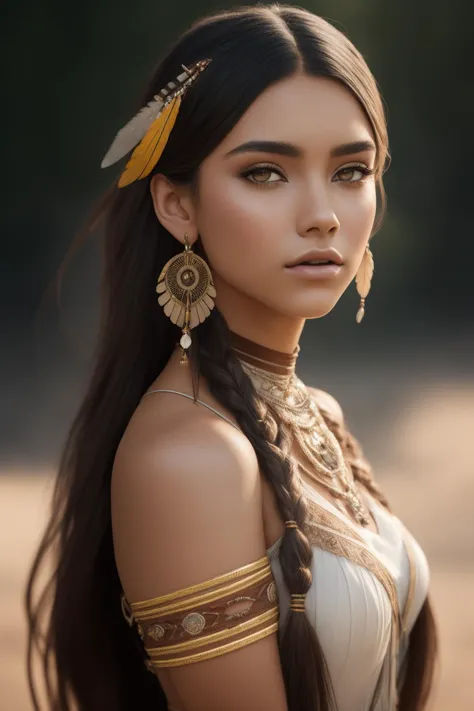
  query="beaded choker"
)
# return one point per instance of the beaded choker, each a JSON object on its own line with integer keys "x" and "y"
{"x": 273, "y": 375}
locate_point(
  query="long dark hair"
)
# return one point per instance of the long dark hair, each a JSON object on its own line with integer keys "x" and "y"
{"x": 88, "y": 653}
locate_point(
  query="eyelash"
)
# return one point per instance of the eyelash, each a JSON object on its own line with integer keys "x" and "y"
{"x": 273, "y": 168}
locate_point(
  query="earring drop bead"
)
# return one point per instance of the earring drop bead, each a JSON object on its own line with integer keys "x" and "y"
{"x": 185, "y": 341}
{"x": 361, "y": 311}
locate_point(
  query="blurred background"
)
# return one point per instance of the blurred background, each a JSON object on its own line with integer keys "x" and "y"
{"x": 404, "y": 376}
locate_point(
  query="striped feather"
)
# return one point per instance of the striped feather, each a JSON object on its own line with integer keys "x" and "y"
{"x": 133, "y": 132}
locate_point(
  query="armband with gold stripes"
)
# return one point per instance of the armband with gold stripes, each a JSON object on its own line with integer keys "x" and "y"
{"x": 209, "y": 619}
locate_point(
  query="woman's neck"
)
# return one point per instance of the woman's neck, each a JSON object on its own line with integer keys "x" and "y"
{"x": 269, "y": 359}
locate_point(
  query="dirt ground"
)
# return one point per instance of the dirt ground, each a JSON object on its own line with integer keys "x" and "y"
{"x": 434, "y": 496}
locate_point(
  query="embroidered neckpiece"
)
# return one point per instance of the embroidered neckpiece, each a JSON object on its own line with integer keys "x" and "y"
{"x": 273, "y": 375}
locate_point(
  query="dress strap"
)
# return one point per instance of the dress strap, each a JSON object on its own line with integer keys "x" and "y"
{"x": 209, "y": 407}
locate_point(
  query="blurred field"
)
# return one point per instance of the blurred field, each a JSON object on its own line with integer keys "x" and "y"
{"x": 428, "y": 476}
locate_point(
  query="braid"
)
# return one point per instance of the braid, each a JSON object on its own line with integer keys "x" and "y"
{"x": 304, "y": 668}
{"x": 354, "y": 456}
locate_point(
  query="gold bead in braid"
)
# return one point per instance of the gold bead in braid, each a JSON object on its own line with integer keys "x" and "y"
{"x": 297, "y": 603}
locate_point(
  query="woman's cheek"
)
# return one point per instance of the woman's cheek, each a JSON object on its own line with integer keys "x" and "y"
{"x": 238, "y": 255}
{"x": 254, "y": 208}
{"x": 239, "y": 230}
{"x": 365, "y": 209}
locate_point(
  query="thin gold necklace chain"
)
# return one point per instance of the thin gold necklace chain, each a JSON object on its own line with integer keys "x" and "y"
{"x": 341, "y": 486}
{"x": 350, "y": 497}
{"x": 333, "y": 489}
{"x": 293, "y": 404}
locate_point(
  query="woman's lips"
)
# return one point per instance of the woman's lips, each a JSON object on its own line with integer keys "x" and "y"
{"x": 316, "y": 271}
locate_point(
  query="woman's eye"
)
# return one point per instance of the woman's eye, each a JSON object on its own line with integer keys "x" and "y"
{"x": 354, "y": 169}
{"x": 258, "y": 171}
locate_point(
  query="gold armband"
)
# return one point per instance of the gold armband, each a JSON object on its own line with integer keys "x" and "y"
{"x": 215, "y": 617}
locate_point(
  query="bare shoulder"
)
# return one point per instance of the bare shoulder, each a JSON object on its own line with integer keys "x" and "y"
{"x": 329, "y": 403}
{"x": 183, "y": 479}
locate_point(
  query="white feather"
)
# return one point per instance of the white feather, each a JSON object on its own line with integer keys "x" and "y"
{"x": 132, "y": 133}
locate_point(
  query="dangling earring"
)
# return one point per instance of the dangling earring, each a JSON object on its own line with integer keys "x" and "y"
{"x": 363, "y": 279}
{"x": 187, "y": 293}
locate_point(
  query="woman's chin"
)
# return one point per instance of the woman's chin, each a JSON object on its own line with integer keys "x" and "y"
{"x": 310, "y": 310}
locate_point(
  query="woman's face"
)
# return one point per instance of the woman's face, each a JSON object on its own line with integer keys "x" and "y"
{"x": 259, "y": 210}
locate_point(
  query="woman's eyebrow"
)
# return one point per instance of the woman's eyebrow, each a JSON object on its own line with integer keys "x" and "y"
{"x": 289, "y": 149}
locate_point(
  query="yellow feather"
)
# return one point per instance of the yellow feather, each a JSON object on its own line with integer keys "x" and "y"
{"x": 147, "y": 154}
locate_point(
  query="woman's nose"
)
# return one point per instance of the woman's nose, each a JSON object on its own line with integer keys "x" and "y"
{"x": 317, "y": 215}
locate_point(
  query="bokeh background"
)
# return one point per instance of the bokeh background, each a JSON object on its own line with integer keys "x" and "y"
{"x": 404, "y": 377}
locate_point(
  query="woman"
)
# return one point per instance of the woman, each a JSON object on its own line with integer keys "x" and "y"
{"x": 221, "y": 541}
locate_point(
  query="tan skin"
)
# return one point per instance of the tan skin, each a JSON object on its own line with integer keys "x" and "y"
{"x": 250, "y": 232}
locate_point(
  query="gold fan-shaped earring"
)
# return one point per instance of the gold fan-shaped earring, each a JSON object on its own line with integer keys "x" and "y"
{"x": 363, "y": 280}
{"x": 186, "y": 292}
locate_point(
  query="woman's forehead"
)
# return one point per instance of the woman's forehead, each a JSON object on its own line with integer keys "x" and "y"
{"x": 311, "y": 113}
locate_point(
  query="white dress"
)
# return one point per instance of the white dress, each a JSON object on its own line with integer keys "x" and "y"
{"x": 362, "y": 581}
{"x": 350, "y": 609}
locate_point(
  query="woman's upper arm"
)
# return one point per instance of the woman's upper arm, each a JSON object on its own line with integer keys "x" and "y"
{"x": 187, "y": 508}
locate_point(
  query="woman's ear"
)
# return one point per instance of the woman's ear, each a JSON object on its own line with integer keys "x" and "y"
{"x": 173, "y": 207}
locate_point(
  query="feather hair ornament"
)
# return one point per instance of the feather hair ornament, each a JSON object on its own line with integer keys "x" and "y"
{"x": 363, "y": 280}
{"x": 149, "y": 130}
